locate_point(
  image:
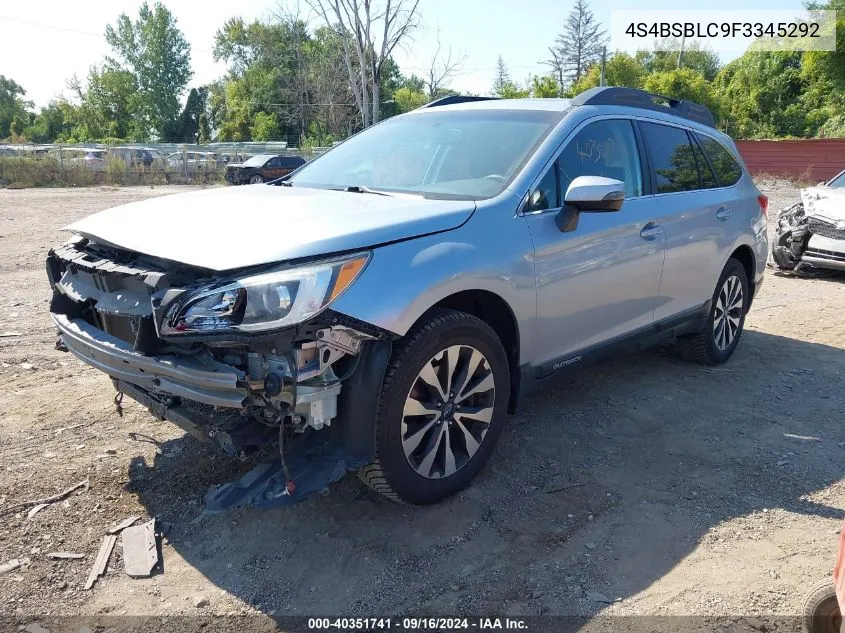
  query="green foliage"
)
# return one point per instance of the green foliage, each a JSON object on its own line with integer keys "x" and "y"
{"x": 155, "y": 52}
{"x": 682, "y": 84}
{"x": 407, "y": 99}
{"x": 265, "y": 127}
{"x": 13, "y": 108}
{"x": 696, "y": 57}
{"x": 760, "y": 95}
{"x": 620, "y": 70}
{"x": 545, "y": 87}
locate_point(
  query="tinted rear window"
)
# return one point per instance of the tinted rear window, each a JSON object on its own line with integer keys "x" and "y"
{"x": 727, "y": 169}
{"x": 672, "y": 158}
{"x": 708, "y": 179}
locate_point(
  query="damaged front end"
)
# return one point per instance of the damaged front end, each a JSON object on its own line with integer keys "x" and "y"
{"x": 238, "y": 360}
{"x": 810, "y": 235}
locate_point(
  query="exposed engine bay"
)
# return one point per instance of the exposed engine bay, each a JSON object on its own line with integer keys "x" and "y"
{"x": 190, "y": 345}
{"x": 810, "y": 235}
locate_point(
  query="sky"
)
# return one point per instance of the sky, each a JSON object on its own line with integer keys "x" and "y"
{"x": 45, "y": 42}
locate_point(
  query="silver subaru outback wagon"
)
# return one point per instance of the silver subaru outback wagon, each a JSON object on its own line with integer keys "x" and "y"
{"x": 383, "y": 308}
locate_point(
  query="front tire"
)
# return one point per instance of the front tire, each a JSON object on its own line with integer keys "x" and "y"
{"x": 257, "y": 179}
{"x": 441, "y": 409}
{"x": 717, "y": 341}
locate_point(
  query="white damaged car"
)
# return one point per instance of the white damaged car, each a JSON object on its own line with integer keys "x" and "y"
{"x": 810, "y": 235}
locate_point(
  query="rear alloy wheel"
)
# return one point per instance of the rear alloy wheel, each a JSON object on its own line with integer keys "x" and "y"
{"x": 721, "y": 333}
{"x": 441, "y": 409}
{"x": 257, "y": 179}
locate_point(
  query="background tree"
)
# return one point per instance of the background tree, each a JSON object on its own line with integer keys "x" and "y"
{"x": 580, "y": 44}
{"x": 368, "y": 31}
{"x": 154, "y": 50}
{"x": 697, "y": 57}
{"x": 620, "y": 70}
{"x": 502, "y": 78}
{"x": 12, "y": 105}
{"x": 683, "y": 84}
{"x": 556, "y": 63}
{"x": 445, "y": 65}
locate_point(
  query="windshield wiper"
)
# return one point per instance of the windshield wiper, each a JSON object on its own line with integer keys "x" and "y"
{"x": 365, "y": 189}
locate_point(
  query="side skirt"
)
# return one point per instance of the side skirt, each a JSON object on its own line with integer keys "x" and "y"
{"x": 689, "y": 322}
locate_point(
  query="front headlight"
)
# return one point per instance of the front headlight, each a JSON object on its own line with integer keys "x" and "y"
{"x": 267, "y": 301}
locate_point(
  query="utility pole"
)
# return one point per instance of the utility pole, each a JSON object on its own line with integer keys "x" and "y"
{"x": 681, "y": 52}
{"x": 603, "y": 60}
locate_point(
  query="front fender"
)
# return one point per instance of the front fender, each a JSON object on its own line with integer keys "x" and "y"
{"x": 403, "y": 280}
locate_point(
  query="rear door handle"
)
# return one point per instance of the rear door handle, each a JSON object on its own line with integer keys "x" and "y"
{"x": 723, "y": 213}
{"x": 651, "y": 231}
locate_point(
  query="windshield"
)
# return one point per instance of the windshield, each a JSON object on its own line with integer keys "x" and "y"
{"x": 839, "y": 181}
{"x": 460, "y": 154}
{"x": 258, "y": 161}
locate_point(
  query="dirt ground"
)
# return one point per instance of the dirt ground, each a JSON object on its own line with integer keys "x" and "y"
{"x": 646, "y": 485}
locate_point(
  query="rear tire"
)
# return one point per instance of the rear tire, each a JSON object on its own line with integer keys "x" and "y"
{"x": 821, "y": 611}
{"x": 441, "y": 409}
{"x": 717, "y": 341}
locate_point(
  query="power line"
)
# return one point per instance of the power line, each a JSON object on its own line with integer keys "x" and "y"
{"x": 50, "y": 26}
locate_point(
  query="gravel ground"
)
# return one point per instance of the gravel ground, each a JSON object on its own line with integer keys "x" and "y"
{"x": 643, "y": 486}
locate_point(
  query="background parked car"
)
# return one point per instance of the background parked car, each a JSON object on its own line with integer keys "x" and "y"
{"x": 192, "y": 161}
{"x": 94, "y": 159}
{"x": 135, "y": 156}
{"x": 262, "y": 168}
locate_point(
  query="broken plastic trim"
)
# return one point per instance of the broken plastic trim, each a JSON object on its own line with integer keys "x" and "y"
{"x": 314, "y": 461}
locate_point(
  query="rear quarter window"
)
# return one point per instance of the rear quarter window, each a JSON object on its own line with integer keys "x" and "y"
{"x": 727, "y": 169}
{"x": 672, "y": 158}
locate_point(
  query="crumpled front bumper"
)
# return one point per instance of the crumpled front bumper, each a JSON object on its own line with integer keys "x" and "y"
{"x": 199, "y": 378}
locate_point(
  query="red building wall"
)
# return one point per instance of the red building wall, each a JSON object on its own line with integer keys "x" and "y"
{"x": 812, "y": 160}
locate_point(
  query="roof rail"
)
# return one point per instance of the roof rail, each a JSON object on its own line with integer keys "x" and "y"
{"x": 635, "y": 98}
{"x": 450, "y": 99}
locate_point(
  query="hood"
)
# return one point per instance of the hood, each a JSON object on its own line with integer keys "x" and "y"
{"x": 824, "y": 203}
{"x": 235, "y": 165}
{"x": 234, "y": 227}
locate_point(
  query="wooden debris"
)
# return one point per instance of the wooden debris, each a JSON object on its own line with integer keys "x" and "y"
{"x": 140, "y": 553}
{"x": 10, "y": 334}
{"x": 65, "y": 555}
{"x": 36, "y": 509}
{"x": 47, "y": 500}
{"x": 11, "y": 565}
{"x": 123, "y": 525}
{"x": 103, "y": 556}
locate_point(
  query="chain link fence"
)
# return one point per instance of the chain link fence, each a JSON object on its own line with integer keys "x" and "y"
{"x": 57, "y": 165}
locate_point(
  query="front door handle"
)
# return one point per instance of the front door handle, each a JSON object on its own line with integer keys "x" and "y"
{"x": 651, "y": 231}
{"x": 723, "y": 213}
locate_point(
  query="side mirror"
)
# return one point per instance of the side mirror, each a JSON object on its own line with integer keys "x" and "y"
{"x": 595, "y": 194}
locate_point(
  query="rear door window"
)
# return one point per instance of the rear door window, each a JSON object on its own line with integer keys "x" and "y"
{"x": 672, "y": 158}
{"x": 727, "y": 169}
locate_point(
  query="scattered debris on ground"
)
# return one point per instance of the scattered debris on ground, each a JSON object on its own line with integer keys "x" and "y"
{"x": 102, "y": 560}
{"x": 140, "y": 551}
{"x": 123, "y": 524}
{"x": 65, "y": 555}
{"x": 42, "y": 503}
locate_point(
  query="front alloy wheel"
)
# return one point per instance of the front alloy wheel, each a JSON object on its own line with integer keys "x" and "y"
{"x": 441, "y": 408}
{"x": 448, "y": 411}
{"x": 256, "y": 179}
